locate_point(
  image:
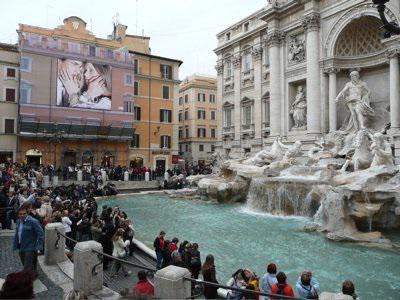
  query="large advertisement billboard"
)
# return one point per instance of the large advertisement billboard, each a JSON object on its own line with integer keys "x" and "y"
{"x": 83, "y": 84}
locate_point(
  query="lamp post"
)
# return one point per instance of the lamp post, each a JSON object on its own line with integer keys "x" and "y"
{"x": 390, "y": 27}
{"x": 55, "y": 138}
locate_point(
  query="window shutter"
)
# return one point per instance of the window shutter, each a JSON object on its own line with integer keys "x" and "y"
{"x": 161, "y": 142}
{"x": 169, "y": 142}
{"x": 137, "y": 141}
{"x": 169, "y": 72}
{"x": 170, "y": 116}
{"x": 161, "y": 116}
{"x": 138, "y": 110}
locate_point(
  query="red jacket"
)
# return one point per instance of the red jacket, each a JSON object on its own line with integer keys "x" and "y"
{"x": 287, "y": 290}
{"x": 143, "y": 287}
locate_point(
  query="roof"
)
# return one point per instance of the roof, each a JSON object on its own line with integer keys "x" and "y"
{"x": 157, "y": 57}
{"x": 9, "y": 47}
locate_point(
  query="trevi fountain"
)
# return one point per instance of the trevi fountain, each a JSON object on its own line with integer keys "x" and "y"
{"x": 347, "y": 183}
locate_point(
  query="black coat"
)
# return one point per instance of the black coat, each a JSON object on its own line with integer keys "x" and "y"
{"x": 210, "y": 292}
{"x": 106, "y": 242}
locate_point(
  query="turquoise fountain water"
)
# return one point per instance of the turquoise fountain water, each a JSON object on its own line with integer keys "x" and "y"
{"x": 242, "y": 238}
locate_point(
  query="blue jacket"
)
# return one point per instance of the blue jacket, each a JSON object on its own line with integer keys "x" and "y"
{"x": 32, "y": 236}
{"x": 308, "y": 292}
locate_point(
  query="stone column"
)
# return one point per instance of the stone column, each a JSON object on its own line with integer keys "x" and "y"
{"x": 325, "y": 102}
{"x": 332, "y": 96}
{"x": 84, "y": 261}
{"x": 257, "y": 108}
{"x": 237, "y": 76}
{"x": 311, "y": 25}
{"x": 393, "y": 56}
{"x": 274, "y": 40}
{"x": 169, "y": 283}
{"x": 54, "y": 253}
{"x": 220, "y": 79}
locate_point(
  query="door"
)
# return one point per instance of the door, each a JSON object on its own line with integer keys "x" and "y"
{"x": 69, "y": 158}
{"x": 160, "y": 165}
{"x": 34, "y": 161}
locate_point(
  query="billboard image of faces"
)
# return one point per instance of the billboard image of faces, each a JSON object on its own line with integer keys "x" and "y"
{"x": 83, "y": 84}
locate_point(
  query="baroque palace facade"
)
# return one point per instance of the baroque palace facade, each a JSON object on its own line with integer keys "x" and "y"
{"x": 95, "y": 101}
{"x": 281, "y": 68}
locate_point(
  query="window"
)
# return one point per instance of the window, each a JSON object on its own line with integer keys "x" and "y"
{"x": 201, "y": 132}
{"x": 165, "y": 115}
{"x": 228, "y": 36}
{"x": 74, "y": 47}
{"x": 213, "y": 115}
{"x": 180, "y": 100}
{"x": 201, "y": 97}
{"x": 247, "y": 60}
{"x": 136, "y": 88}
{"x": 212, "y": 148}
{"x": 10, "y": 95}
{"x": 201, "y": 148}
{"x": 165, "y": 141}
{"x": 180, "y": 116}
{"x": 25, "y": 93}
{"x": 247, "y": 115}
{"x": 228, "y": 68}
{"x": 180, "y": 135}
{"x": 137, "y": 113}
{"x": 128, "y": 79}
{"x": 212, "y": 98}
{"x": 246, "y": 27}
{"x": 227, "y": 117}
{"x": 165, "y": 92}
{"x": 26, "y": 64}
{"x": 213, "y": 133}
{"x": 128, "y": 106}
{"x": 266, "y": 103}
{"x": 186, "y": 98}
{"x": 11, "y": 73}
{"x": 136, "y": 66}
{"x": 201, "y": 114}
{"x": 135, "y": 143}
{"x": 166, "y": 71}
{"x": 92, "y": 51}
{"x": 9, "y": 126}
{"x": 187, "y": 148}
{"x": 186, "y": 132}
{"x": 266, "y": 57}
{"x": 186, "y": 115}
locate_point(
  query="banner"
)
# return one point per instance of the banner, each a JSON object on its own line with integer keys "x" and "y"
{"x": 83, "y": 84}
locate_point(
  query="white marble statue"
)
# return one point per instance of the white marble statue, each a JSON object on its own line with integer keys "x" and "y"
{"x": 289, "y": 158}
{"x": 362, "y": 157}
{"x": 356, "y": 94}
{"x": 299, "y": 109}
{"x": 381, "y": 151}
{"x": 296, "y": 51}
{"x": 265, "y": 157}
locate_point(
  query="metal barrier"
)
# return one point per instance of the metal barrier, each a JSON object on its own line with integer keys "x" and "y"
{"x": 244, "y": 291}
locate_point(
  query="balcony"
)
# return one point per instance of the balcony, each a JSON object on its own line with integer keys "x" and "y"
{"x": 247, "y": 130}
{"x": 229, "y": 84}
{"x": 247, "y": 77}
{"x": 228, "y": 132}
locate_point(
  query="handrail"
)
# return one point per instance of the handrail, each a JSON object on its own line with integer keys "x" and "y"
{"x": 102, "y": 254}
{"x": 152, "y": 270}
{"x": 226, "y": 287}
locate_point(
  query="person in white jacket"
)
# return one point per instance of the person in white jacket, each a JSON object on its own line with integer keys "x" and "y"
{"x": 119, "y": 251}
{"x": 67, "y": 226}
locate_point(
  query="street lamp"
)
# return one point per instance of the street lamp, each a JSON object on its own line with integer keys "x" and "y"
{"x": 390, "y": 27}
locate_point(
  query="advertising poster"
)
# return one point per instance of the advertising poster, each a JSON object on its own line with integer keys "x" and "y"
{"x": 83, "y": 84}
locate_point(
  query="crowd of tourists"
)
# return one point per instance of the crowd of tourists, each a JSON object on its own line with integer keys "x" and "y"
{"x": 187, "y": 255}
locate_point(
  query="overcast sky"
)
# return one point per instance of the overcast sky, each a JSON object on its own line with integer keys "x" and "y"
{"x": 181, "y": 29}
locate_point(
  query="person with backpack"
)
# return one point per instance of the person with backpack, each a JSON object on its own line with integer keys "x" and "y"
{"x": 195, "y": 262}
{"x": 281, "y": 287}
{"x": 307, "y": 287}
